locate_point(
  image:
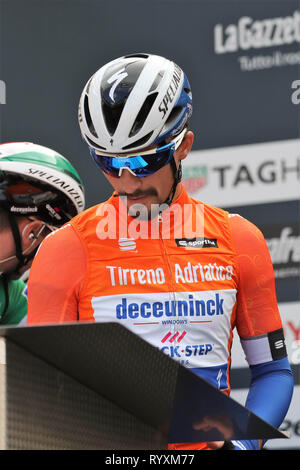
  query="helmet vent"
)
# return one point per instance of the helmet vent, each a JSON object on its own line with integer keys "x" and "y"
{"x": 112, "y": 115}
{"x": 93, "y": 144}
{"x": 143, "y": 114}
{"x": 188, "y": 91}
{"x": 88, "y": 117}
{"x": 174, "y": 115}
{"x": 156, "y": 81}
{"x": 138, "y": 56}
{"x": 139, "y": 142}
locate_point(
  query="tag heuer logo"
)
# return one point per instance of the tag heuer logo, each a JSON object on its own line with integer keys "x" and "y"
{"x": 194, "y": 178}
{"x": 197, "y": 242}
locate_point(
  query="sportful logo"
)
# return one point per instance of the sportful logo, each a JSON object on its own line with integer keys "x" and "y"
{"x": 197, "y": 242}
{"x": 127, "y": 244}
{"x": 279, "y": 344}
{"x": 116, "y": 79}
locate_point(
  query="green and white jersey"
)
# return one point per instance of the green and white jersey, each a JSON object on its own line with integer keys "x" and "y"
{"x": 13, "y": 307}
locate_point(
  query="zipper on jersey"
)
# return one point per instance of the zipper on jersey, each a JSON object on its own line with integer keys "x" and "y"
{"x": 167, "y": 263}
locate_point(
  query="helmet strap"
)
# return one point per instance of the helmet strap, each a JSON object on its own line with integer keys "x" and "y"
{"x": 17, "y": 238}
{"x": 4, "y": 279}
{"x": 23, "y": 260}
{"x": 177, "y": 172}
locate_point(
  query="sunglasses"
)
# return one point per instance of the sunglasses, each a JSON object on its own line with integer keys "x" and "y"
{"x": 140, "y": 164}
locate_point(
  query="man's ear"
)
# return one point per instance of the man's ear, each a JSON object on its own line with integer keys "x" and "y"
{"x": 30, "y": 232}
{"x": 185, "y": 147}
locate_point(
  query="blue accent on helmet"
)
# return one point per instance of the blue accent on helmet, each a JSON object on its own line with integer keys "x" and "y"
{"x": 184, "y": 101}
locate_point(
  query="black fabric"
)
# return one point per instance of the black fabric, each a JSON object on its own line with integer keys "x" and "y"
{"x": 227, "y": 446}
{"x": 17, "y": 238}
{"x": 5, "y": 287}
{"x": 277, "y": 344}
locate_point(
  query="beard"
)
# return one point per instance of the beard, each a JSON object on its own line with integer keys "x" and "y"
{"x": 139, "y": 210}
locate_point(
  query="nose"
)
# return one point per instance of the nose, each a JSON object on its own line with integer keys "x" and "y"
{"x": 129, "y": 183}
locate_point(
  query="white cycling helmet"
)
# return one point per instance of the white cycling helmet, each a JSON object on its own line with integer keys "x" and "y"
{"x": 134, "y": 102}
{"x": 36, "y": 180}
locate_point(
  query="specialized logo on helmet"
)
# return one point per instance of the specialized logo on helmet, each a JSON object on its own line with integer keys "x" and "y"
{"x": 116, "y": 79}
{"x": 171, "y": 91}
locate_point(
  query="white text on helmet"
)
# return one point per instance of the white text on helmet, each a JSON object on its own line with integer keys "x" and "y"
{"x": 171, "y": 91}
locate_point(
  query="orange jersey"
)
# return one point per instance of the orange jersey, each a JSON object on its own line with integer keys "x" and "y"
{"x": 183, "y": 286}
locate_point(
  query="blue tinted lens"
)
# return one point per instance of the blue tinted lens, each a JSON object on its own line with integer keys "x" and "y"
{"x": 140, "y": 165}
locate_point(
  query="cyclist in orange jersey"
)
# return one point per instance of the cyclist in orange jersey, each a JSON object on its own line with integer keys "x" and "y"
{"x": 178, "y": 272}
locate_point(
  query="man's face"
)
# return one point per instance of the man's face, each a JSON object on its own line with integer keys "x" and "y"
{"x": 150, "y": 190}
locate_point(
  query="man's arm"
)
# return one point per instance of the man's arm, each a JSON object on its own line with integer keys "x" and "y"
{"x": 55, "y": 279}
{"x": 17, "y": 303}
{"x": 260, "y": 329}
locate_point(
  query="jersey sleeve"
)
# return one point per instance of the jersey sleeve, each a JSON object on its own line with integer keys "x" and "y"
{"x": 258, "y": 320}
{"x": 17, "y": 305}
{"x": 55, "y": 279}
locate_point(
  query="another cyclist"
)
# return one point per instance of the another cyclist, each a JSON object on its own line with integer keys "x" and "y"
{"x": 39, "y": 191}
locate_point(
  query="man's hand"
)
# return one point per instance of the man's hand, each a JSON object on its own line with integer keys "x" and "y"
{"x": 220, "y": 422}
{"x": 215, "y": 445}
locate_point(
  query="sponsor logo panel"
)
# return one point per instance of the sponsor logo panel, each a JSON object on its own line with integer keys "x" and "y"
{"x": 247, "y": 174}
{"x": 259, "y": 43}
{"x": 195, "y": 177}
{"x": 252, "y": 33}
{"x": 197, "y": 242}
{"x": 181, "y": 273}
{"x": 192, "y": 328}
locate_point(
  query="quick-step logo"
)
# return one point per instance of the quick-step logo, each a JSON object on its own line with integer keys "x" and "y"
{"x": 174, "y": 349}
